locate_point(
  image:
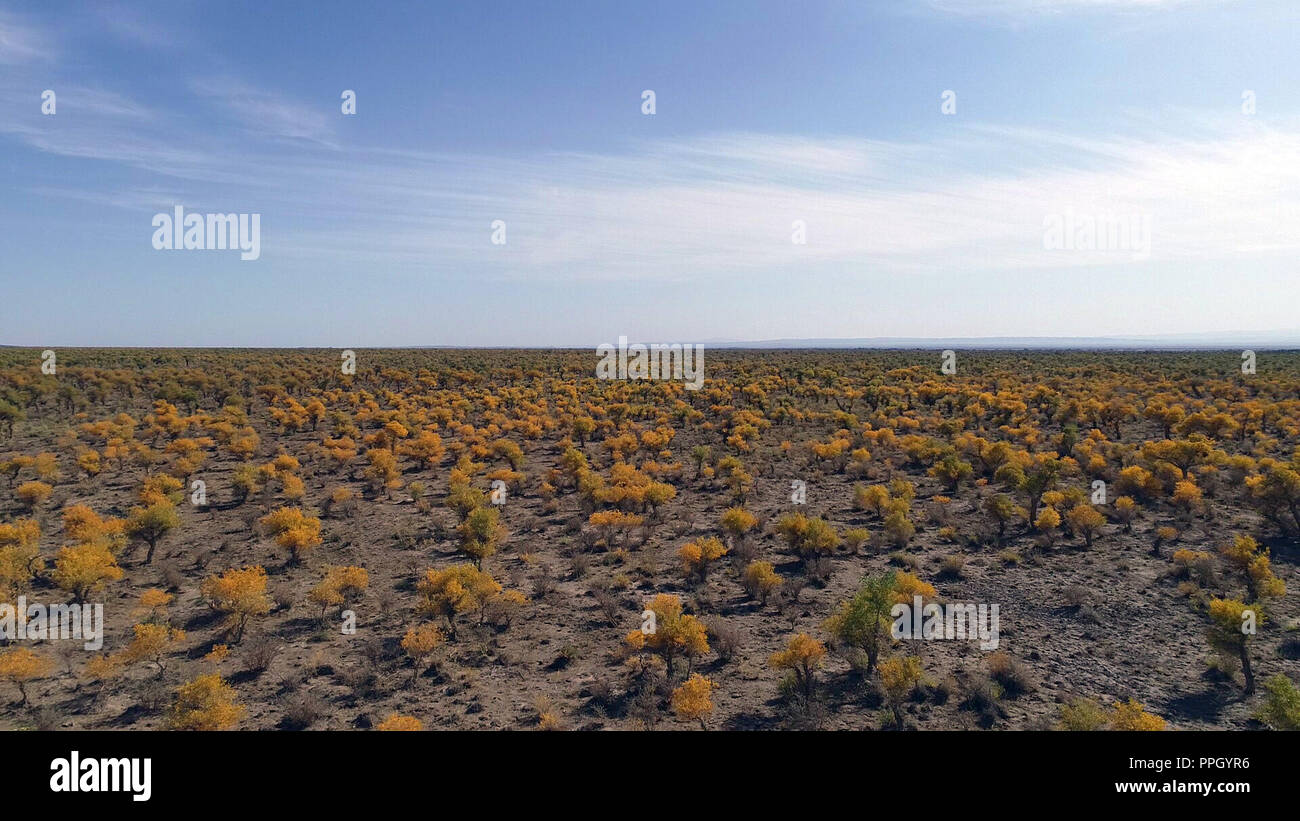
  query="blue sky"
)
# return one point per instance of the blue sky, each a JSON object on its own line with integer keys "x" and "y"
{"x": 376, "y": 228}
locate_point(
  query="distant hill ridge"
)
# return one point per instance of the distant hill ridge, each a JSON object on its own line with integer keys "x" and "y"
{"x": 1229, "y": 340}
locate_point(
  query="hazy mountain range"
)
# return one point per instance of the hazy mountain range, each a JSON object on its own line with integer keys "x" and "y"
{"x": 1222, "y": 339}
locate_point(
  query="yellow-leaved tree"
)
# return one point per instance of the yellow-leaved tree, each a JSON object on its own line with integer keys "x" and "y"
{"x": 692, "y": 700}
{"x": 84, "y": 569}
{"x": 460, "y": 589}
{"x": 802, "y": 656}
{"x": 697, "y": 555}
{"x": 400, "y": 723}
{"x": 1232, "y": 624}
{"x": 206, "y": 703}
{"x": 240, "y": 594}
{"x": 898, "y": 676}
{"x": 671, "y": 633}
{"x": 152, "y": 642}
{"x": 292, "y": 530}
{"x": 341, "y": 587}
{"x": 1130, "y": 716}
{"x": 150, "y": 524}
{"x": 20, "y": 556}
{"x": 20, "y": 665}
{"x": 420, "y": 643}
{"x": 761, "y": 581}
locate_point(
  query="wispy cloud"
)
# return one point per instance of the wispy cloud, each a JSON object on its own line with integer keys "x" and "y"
{"x": 265, "y": 114}
{"x": 131, "y": 26}
{"x": 21, "y": 42}
{"x": 723, "y": 204}
{"x": 726, "y": 204}
{"x": 688, "y": 207}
